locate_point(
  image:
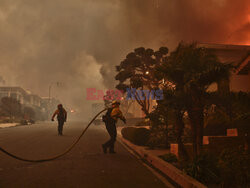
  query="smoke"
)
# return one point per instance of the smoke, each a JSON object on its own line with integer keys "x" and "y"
{"x": 45, "y": 42}
{"x": 78, "y": 42}
{"x": 169, "y": 21}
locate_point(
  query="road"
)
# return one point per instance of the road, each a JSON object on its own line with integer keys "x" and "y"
{"x": 85, "y": 166}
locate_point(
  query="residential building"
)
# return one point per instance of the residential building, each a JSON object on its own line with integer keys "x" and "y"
{"x": 17, "y": 93}
{"x": 239, "y": 56}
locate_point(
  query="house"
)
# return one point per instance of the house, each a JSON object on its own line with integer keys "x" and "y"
{"x": 17, "y": 93}
{"x": 239, "y": 56}
{"x": 21, "y": 95}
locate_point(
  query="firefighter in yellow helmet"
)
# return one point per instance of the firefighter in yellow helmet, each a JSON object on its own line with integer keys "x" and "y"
{"x": 110, "y": 119}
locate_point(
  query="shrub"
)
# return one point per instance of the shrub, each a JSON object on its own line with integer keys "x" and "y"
{"x": 128, "y": 133}
{"x": 157, "y": 139}
{"x": 138, "y": 136}
{"x": 142, "y": 123}
{"x": 234, "y": 167}
{"x": 204, "y": 169}
{"x": 169, "y": 157}
{"x": 230, "y": 169}
{"x": 216, "y": 125}
{"x": 242, "y": 124}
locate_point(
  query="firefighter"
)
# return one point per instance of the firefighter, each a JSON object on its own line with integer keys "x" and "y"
{"x": 110, "y": 119}
{"x": 61, "y": 117}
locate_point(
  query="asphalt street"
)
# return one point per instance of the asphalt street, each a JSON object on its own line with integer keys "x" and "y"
{"x": 85, "y": 166}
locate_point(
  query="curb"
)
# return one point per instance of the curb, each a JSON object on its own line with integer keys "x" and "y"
{"x": 176, "y": 175}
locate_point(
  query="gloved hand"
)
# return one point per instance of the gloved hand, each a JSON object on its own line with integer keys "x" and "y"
{"x": 52, "y": 119}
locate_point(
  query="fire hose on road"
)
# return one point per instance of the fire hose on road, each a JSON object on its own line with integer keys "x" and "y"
{"x": 59, "y": 155}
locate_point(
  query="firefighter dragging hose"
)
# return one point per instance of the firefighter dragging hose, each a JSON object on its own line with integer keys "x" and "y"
{"x": 110, "y": 120}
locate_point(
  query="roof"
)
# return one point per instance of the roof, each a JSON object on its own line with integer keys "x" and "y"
{"x": 244, "y": 66}
{"x": 18, "y": 89}
{"x": 6, "y": 88}
{"x": 238, "y": 55}
{"x": 224, "y": 46}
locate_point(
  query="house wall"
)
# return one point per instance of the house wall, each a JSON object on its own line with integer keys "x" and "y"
{"x": 20, "y": 95}
{"x": 240, "y": 83}
{"x": 233, "y": 54}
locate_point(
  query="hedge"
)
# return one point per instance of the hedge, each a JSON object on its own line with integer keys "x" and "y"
{"x": 138, "y": 136}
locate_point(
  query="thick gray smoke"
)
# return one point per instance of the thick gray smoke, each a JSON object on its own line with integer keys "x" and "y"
{"x": 79, "y": 42}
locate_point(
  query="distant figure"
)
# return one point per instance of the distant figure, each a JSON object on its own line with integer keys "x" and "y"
{"x": 110, "y": 119}
{"x": 61, "y": 117}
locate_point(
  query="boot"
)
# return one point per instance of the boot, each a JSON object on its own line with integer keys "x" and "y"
{"x": 104, "y": 148}
{"x": 112, "y": 151}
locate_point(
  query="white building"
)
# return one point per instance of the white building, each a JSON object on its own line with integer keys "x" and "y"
{"x": 21, "y": 95}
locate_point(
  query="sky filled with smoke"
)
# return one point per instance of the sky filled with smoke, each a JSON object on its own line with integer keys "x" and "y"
{"x": 78, "y": 42}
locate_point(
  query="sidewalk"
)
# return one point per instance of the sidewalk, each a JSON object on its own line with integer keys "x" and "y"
{"x": 4, "y": 125}
{"x": 151, "y": 156}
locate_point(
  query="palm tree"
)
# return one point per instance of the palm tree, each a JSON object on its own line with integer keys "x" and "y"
{"x": 173, "y": 104}
{"x": 192, "y": 70}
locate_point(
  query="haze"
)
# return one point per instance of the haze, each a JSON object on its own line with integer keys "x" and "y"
{"x": 78, "y": 42}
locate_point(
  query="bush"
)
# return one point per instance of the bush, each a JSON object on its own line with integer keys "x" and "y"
{"x": 157, "y": 139}
{"x": 242, "y": 124}
{"x": 170, "y": 158}
{"x": 127, "y": 132}
{"x": 143, "y": 123}
{"x": 204, "y": 169}
{"x": 230, "y": 169}
{"x": 216, "y": 125}
{"x": 234, "y": 167}
{"x": 138, "y": 136}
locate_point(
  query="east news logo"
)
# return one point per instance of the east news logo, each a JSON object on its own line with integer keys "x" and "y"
{"x": 132, "y": 94}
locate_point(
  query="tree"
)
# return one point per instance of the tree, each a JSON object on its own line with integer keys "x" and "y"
{"x": 192, "y": 70}
{"x": 137, "y": 71}
{"x": 171, "y": 110}
{"x": 11, "y": 106}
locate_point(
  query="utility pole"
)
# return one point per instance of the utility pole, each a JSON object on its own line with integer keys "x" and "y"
{"x": 50, "y": 95}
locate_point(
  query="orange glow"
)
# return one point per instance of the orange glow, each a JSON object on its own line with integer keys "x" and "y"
{"x": 248, "y": 43}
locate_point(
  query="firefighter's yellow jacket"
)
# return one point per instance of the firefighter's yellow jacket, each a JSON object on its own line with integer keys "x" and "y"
{"x": 116, "y": 113}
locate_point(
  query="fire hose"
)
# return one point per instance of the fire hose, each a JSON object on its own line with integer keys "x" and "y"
{"x": 57, "y": 156}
